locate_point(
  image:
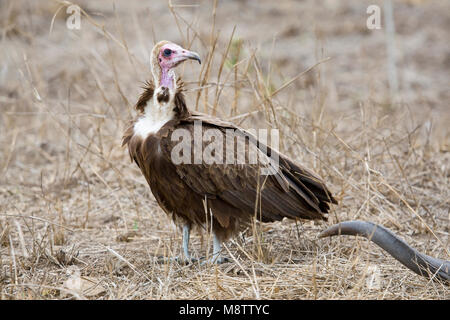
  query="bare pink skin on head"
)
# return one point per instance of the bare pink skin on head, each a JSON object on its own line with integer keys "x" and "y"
{"x": 170, "y": 56}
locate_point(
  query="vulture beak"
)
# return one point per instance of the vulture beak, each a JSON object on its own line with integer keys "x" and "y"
{"x": 190, "y": 55}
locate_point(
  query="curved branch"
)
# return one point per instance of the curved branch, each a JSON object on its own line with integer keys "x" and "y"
{"x": 419, "y": 263}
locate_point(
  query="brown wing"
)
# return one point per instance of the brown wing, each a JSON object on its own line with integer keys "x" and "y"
{"x": 235, "y": 189}
{"x": 300, "y": 176}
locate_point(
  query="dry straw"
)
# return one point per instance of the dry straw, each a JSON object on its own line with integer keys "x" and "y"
{"x": 70, "y": 197}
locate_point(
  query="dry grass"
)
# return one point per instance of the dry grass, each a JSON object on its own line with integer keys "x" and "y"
{"x": 71, "y": 202}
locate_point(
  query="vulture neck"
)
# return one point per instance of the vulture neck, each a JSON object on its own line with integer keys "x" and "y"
{"x": 164, "y": 77}
{"x": 159, "y": 109}
{"x": 167, "y": 78}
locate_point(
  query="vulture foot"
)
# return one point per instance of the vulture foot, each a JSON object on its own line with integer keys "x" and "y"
{"x": 180, "y": 260}
{"x": 215, "y": 260}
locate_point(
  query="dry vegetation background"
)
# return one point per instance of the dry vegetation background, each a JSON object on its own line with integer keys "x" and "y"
{"x": 71, "y": 203}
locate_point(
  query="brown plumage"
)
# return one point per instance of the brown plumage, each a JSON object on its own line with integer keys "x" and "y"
{"x": 228, "y": 191}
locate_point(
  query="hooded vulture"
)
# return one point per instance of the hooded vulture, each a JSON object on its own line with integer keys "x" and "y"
{"x": 204, "y": 189}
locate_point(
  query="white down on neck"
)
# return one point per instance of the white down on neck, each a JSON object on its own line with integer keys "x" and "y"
{"x": 155, "y": 115}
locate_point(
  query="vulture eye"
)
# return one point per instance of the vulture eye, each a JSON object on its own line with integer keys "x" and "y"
{"x": 167, "y": 52}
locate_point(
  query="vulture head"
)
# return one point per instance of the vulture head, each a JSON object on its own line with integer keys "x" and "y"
{"x": 166, "y": 56}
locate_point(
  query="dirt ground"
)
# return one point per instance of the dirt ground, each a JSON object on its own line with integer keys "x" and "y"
{"x": 77, "y": 219}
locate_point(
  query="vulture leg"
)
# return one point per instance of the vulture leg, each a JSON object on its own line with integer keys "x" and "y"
{"x": 186, "y": 258}
{"x": 186, "y": 234}
{"x": 216, "y": 256}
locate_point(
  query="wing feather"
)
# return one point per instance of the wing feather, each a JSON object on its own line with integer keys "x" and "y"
{"x": 292, "y": 192}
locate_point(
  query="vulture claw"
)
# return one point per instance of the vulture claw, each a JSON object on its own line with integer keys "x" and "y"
{"x": 215, "y": 260}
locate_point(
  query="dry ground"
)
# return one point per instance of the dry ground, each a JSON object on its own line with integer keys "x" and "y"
{"x": 72, "y": 203}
